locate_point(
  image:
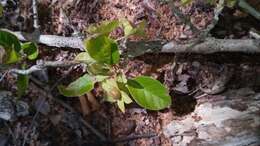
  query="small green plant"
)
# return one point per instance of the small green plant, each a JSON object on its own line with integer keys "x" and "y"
{"x": 102, "y": 57}
{"x": 17, "y": 52}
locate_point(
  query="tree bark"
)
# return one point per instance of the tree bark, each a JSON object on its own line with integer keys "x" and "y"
{"x": 231, "y": 119}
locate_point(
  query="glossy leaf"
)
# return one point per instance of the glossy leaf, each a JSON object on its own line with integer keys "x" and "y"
{"x": 11, "y": 56}
{"x": 104, "y": 28}
{"x": 149, "y": 93}
{"x": 100, "y": 78}
{"x": 9, "y": 41}
{"x": 85, "y": 58}
{"x": 79, "y": 87}
{"x": 31, "y": 50}
{"x": 103, "y": 49}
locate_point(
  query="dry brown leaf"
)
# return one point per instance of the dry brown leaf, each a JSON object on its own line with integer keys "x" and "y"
{"x": 84, "y": 105}
{"x": 93, "y": 102}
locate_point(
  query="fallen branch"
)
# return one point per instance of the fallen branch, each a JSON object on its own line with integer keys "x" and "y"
{"x": 211, "y": 45}
{"x": 51, "y": 40}
{"x": 42, "y": 65}
{"x": 134, "y": 48}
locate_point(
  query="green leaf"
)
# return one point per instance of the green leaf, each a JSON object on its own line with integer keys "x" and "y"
{"x": 11, "y": 45}
{"x": 22, "y": 84}
{"x": 130, "y": 30}
{"x": 121, "y": 82}
{"x": 103, "y": 49}
{"x": 104, "y": 28}
{"x": 31, "y": 50}
{"x": 231, "y": 3}
{"x": 111, "y": 90}
{"x": 149, "y": 93}
{"x": 93, "y": 67}
{"x": 100, "y": 78}
{"x": 140, "y": 29}
{"x": 9, "y": 41}
{"x": 98, "y": 69}
{"x": 125, "y": 97}
{"x": 185, "y": 2}
{"x": 11, "y": 56}
{"x": 85, "y": 58}
{"x": 79, "y": 87}
{"x": 121, "y": 105}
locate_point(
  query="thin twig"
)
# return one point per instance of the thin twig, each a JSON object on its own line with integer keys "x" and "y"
{"x": 249, "y": 9}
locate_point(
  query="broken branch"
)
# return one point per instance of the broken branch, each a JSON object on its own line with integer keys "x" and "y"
{"x": 42, "y": 65}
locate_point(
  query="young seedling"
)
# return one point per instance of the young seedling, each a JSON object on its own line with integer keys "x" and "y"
{"x": 102, "y": 57}
{"x": 17, "y": 52}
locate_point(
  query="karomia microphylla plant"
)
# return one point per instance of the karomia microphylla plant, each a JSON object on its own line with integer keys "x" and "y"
{"x": 16, "y": 52}
{"x": 102, "y": 57}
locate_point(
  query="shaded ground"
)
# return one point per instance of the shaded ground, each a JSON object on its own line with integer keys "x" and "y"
{"x": 182, "y": 74}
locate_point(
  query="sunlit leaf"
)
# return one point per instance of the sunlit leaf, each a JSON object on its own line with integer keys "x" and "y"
{"x": 79, "y": 87}
{"x": 31, "y": 50}
{"x": 121, "y": 82}
{"x": 112, "y": 92}
{"x": 104, "y": 28}
{"x": 140, "y": 29}
{"x": 100, "y": 78}
{"x": 231, "y": 3}
{"x": 149, "y": 93}
{"x": 130, "y": 30}
{"x": 84, "y": 57}
{"x": 125, "y": 97}
{"x": 103, "y": 49}
{"x": 98, "y": 69}
{"x": 11, "y": 56}
{"x": 121, "y": 105}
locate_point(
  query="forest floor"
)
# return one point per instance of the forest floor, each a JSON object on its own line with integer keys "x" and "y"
{"x": 182, "y": 73}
